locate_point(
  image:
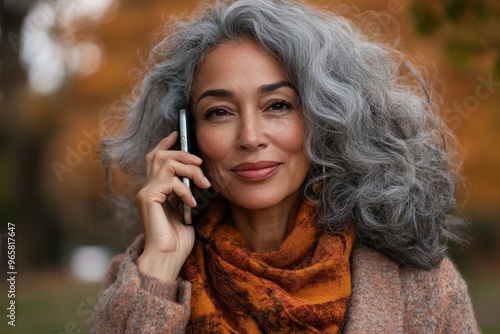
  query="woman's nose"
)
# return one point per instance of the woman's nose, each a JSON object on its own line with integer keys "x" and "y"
{"x": 252, "y": 128}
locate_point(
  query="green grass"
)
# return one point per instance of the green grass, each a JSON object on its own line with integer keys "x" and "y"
{"x": 53, "y": 303}
{"x": 486, "y": 300}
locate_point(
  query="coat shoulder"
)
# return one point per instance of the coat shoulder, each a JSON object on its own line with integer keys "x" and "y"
{"x": 406, "y": 299}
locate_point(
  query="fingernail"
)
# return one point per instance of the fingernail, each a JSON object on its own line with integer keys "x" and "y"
{"x": 205, "y": 180}
{"x": 194, "y": 201}
{"x": 196, "y": 158}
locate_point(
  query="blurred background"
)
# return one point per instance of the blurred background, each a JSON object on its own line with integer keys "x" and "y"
{"x": 64, "y": 62}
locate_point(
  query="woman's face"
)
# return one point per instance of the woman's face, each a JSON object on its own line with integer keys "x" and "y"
{"x": 249, "y": 130}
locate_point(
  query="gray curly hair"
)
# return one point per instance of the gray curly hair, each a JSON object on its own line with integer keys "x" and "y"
{"x": 376, "y": 142}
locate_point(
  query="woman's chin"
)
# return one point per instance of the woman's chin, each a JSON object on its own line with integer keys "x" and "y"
{"x": 257, "y": 201}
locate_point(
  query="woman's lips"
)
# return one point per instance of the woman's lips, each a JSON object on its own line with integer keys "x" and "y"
{"x": 256, "y": 171}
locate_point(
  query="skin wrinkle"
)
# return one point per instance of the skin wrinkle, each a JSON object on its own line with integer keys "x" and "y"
{"x": 395, "y": 188}
{"x": 353, "y": 90}
{"x": 244, "y": 82}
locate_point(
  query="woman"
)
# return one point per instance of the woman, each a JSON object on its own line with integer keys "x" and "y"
{"x": 335, "y": 179}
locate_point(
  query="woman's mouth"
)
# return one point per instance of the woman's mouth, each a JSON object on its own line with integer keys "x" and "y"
{"x": 255, "y": 171}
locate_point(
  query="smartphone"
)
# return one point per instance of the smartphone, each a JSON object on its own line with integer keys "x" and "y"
{"x": 184, "y": 134}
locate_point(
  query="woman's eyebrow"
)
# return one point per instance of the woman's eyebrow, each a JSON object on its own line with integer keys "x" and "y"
{"x": 270, "y": 87}
{"x": 262, "y": 89}
{"x": 216, "y": 93}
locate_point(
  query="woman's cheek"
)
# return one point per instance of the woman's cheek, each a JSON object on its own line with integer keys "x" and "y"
{"x": 291, "y": 135}
{"x": 213, "y": 149}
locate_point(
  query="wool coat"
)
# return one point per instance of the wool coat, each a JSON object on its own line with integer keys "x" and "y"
{"x": 386, "y": 298}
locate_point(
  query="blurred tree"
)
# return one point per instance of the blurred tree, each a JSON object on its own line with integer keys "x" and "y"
{"x": 21, "y": 148}
{"x": 36, "y": 130}
{"x": 470, "y": 29}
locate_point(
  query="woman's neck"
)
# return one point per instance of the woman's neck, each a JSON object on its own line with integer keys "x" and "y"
{"x": 264, "y": 230}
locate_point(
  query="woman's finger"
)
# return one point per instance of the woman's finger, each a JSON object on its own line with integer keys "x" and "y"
{"x": 173, "y": 200}
{"x": 164, "y": 144}
{"x": 156, "y": 161}
{"x": 157, "y": 192}
{"x": 176, "y": 169}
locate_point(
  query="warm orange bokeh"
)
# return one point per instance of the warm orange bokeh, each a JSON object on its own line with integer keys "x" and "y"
{"x": 127, "y": 37}
{"x": 69, "y": 178}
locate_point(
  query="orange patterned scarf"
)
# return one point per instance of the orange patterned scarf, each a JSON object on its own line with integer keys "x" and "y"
{"x": 303, "y": 287}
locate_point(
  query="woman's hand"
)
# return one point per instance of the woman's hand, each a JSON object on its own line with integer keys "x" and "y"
{"x": 168, "y": 241}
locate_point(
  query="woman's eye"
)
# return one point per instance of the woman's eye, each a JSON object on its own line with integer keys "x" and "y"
{"x": 280, "y": 106}
{"x": 215, "y": 112}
